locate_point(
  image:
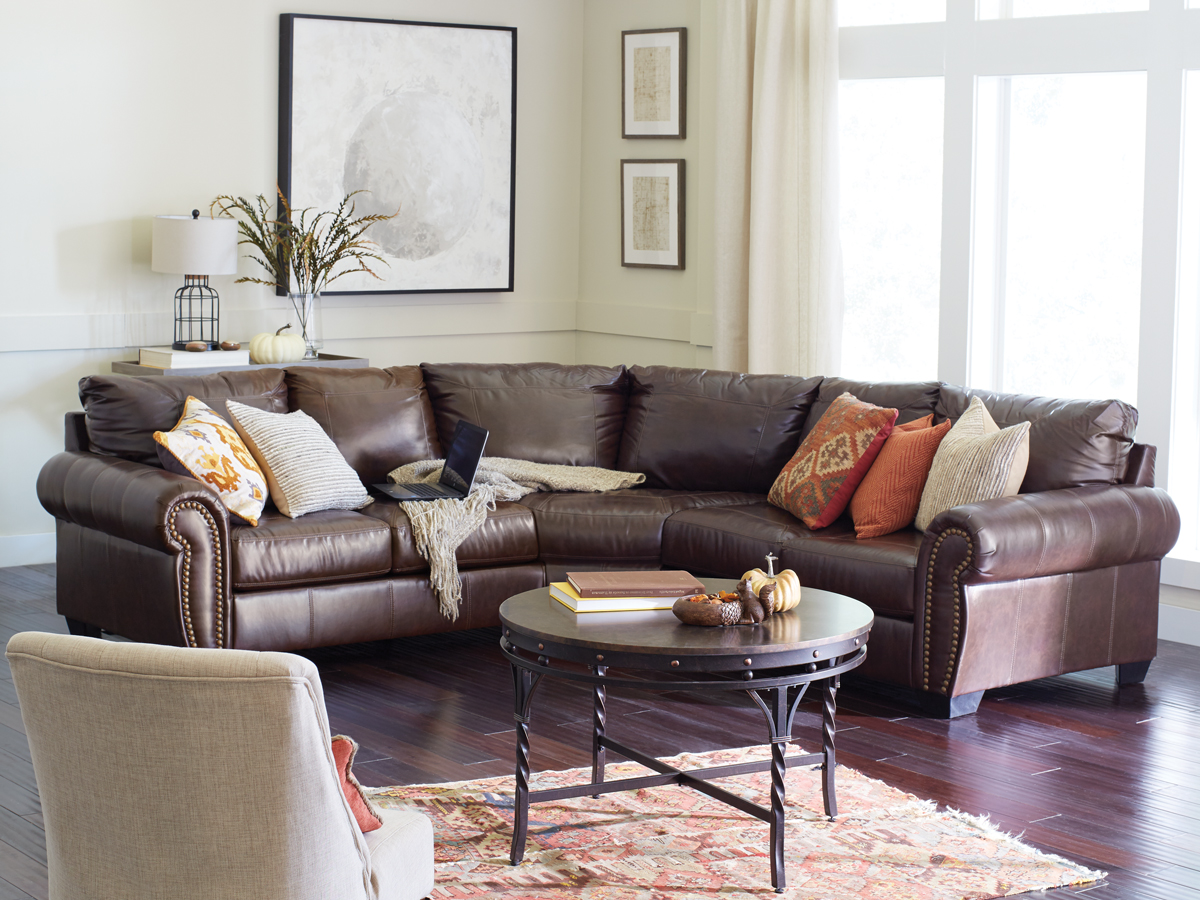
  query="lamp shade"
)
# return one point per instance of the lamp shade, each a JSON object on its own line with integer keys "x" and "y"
{"x": 186, "y": 245}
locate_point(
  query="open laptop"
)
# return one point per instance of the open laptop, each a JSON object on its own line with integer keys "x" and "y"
{"x": 458, "y": 474}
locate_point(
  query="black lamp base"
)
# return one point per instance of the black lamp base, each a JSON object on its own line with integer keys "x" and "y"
{"x": 197, "y": 314}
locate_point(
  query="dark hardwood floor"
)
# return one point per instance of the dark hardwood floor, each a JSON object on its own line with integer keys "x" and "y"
{"x": 1107, "y": 777}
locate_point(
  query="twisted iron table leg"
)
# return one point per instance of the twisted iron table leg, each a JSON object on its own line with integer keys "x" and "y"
{"x": 524, "y": 682}
{"x": 829, "y": 689}
{"x": 599, "y": 718}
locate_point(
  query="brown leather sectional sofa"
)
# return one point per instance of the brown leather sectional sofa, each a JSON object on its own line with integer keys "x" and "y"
{"x": 1061, "y": 578}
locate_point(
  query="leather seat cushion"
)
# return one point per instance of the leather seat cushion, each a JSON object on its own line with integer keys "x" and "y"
{"x": 333, "y": 545}
{"x": 543, "y": 412}
{"x": 507, "y": 537}
{"x": 880, "y": 572}
{"x": 378, "y": 418}
{"x": 614, "y": 526}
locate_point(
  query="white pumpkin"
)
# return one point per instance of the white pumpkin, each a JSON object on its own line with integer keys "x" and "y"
{"x": 267, "y": 348}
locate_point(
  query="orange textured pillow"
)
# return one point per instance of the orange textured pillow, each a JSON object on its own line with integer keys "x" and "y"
{"x": 889, "y": 495}
{"x": 364, "y": 810}
{"x": 820, "y": 478}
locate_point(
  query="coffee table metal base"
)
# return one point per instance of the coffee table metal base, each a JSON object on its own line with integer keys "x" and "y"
{"x": 778, "y": 695}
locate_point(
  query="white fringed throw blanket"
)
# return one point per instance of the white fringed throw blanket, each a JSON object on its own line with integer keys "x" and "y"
{"x": 440, "y": 526}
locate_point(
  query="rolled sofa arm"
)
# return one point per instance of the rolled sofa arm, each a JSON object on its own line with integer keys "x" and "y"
{"x": 155, "y": 509}
{"x": 1024, "y": 537}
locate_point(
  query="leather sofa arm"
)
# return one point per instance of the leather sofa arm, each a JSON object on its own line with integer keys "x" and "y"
{"x": 1027, "y": 536}
{"x": 1054, "y": 532}
{"x": 150, "y": 507}
{"x": 125, "y": 499}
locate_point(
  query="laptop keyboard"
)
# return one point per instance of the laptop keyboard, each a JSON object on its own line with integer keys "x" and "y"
{"x": 426, "y": 490}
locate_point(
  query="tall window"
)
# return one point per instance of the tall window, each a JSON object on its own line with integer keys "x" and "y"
{"x": 1068, "y": 207}
{"x": 891, "y": 226}
{"x": 1060, "y": 165}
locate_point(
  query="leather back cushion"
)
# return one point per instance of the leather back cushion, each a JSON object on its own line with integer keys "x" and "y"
{"x": 543, "y": 412}
{"x": 697, "y": 430}
{"x": 378, "y": 418}
{"x": 124, "y": 411}
{"x": 1071, "y": 442}
{"x": 914, "y": 399}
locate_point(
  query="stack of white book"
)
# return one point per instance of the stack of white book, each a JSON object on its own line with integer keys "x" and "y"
{"x": 166, "y": 358}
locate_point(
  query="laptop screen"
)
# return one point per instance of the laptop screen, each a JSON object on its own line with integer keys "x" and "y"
{"x": 463, "y": 458}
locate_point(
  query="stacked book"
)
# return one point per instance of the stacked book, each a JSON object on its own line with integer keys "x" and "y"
{"x": 167, "y": 358}
{"x": 623, "y": 591}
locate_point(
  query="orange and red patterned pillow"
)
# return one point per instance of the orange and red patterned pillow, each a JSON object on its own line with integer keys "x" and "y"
{"x": 889, "y": 495}
{"x": 205, "y": 446}
{"x": 818, "y": 482}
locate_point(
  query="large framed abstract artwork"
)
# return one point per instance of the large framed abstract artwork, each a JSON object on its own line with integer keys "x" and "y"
{"x": 421, "y": 117}
{"x": 652, "y": 213}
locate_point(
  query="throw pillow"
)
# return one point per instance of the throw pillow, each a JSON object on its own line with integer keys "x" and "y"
{"x": 204, "y": 446}
{"x": 890, "y": 493}
{"x": 365, "y": 812}
{"x": 817, "y": 483}
{"x": 977, "y": 460}
{"x": 304, "y": 470}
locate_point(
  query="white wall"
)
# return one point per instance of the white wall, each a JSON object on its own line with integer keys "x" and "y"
{"x": 113, "y": 112}
{"x": 633, "y": 315}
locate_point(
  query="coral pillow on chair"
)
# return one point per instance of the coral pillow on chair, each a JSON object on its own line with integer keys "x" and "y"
{"x": 888, "y": 497}
{"x": 364, "y": 810}
{"x": 817, "y": 483}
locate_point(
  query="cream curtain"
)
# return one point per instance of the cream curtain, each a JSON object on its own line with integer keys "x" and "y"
{"x": 778, "y": 266}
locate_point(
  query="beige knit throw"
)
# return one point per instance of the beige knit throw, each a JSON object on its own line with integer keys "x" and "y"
{"x": 440, "y": 526}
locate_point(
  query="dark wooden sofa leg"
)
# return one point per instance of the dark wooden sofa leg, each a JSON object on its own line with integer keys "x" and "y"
{"x": 941, "y": 707}
{"x": 1132, "y": 673}
{"x": 82, "y": 629}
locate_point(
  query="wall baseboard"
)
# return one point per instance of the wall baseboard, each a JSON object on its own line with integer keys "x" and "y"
{"x": 1178, "y": 623}
{"x": 26, "y": 549}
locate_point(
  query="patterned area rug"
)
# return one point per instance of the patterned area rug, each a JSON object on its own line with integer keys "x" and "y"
{"x": 673, "y": 842}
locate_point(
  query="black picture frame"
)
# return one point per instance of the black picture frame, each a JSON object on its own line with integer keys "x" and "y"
{"x": 672, "y": 257}
{"x": 678, "y": 100}
{"x": 286, "y": 162}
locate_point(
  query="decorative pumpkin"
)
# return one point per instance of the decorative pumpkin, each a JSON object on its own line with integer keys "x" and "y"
{"x": 277, "y": 348}
{"x": 787, "y": 584}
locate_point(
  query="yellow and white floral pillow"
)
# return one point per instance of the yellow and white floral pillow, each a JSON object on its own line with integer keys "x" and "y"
{"x": 205, "y": 446}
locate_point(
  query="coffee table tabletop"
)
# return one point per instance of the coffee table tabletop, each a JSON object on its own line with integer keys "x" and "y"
{"x": 773, "y": 663}
{"x": 823, "y": 624}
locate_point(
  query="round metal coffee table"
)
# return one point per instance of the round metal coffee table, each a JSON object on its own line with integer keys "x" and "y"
{"x": 774, "y": 663}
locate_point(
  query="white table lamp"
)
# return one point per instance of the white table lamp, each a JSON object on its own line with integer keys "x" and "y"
{"x": 195, "y": 248}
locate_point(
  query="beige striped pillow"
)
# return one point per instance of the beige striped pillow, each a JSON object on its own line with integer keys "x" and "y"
{"x": 305, "y": 471}
{"x": 976, "y": 461}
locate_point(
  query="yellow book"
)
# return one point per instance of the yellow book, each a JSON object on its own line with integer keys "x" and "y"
{"x": 566, "y": 595}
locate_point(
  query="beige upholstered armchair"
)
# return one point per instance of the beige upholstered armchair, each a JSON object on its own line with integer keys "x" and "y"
{"x": 190, "y": 773}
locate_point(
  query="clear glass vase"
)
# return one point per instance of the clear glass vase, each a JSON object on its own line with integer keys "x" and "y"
{"x": 308, "y": 312}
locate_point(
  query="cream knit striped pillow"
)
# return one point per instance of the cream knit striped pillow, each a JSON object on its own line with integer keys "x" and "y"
{"x": 305, "y": 471}
{"x": 977, "y": 460}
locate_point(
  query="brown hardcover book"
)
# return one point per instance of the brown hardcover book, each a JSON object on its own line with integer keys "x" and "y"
{"x": 634, "y": 584}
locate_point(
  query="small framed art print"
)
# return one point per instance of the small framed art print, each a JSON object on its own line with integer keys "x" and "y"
{"x": 654, "y": 83}
{"x": 652, "y": 213}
